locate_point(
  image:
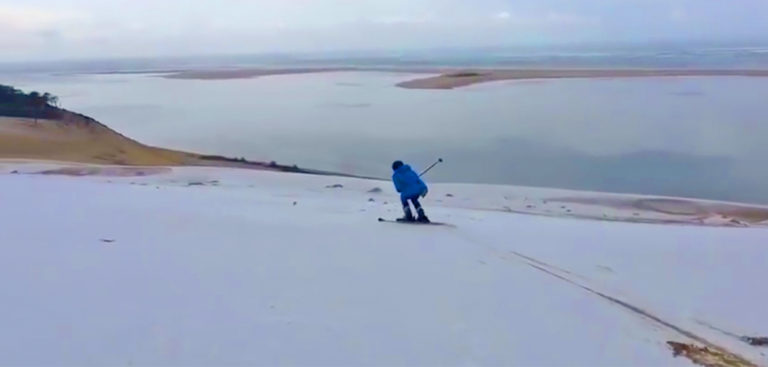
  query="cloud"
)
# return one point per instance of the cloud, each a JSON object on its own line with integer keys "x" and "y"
{"x": 402, "y": 19}
{"x": 86, "y": 28}
{"x": 30, "y": 19}
{"x": 544, "y": 20}
{"x": 563, "y": 19}
{"x": 678, "y": 15}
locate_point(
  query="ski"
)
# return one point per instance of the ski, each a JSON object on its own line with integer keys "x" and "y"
{"x": 382, "y": 220}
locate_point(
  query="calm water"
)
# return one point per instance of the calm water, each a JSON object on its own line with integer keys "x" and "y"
{"x": 697, "y": 137}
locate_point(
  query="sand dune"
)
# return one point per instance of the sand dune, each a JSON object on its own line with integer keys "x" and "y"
{"x": 80, "y": 139}
{"x": 76, "y": 138}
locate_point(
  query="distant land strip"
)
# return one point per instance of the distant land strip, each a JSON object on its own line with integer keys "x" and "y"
{"x": 444, "y": 78}
{"x": 458, "y": 79}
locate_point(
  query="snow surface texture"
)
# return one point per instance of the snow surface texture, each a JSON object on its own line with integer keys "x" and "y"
{"x": 206, "y": 266}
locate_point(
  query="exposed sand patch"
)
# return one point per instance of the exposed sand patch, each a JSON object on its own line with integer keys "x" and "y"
{"x": 680, "y": 210}
{"x": 708, "y": 357}
{"x": 671, "y": 206}
{"x": 457, "y": 79}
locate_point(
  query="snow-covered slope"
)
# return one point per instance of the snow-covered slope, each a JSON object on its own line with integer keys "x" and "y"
{"x": 232, "y": 267}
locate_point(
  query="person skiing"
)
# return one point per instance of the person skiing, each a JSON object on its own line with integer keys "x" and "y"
{"x": 411, "y": 187}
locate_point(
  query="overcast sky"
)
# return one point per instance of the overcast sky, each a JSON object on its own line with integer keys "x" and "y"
{"x": 44, "y": 29}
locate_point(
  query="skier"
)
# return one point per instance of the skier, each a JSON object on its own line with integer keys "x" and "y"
{"x": 410, "y": 186}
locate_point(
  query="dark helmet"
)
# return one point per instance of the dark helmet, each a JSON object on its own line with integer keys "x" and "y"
{"x": 396, "y": 165}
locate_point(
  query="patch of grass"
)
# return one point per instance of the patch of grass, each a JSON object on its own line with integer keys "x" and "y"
{"x": 464, "y": 74}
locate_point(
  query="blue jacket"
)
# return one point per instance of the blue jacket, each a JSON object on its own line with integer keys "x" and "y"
{"x": 408, "y": 183}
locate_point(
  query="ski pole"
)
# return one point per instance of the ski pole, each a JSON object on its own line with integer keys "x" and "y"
{"x": 439, "y": 160}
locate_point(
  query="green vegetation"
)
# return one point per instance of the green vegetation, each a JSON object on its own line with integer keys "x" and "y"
{"x": 464, "y": 74}
{"x": 15, "y": 103}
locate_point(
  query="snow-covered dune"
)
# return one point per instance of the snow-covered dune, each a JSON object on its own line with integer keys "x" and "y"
{"x": 212, "y": 266}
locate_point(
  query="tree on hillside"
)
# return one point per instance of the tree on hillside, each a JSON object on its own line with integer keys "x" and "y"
{"x": 50, "y": 99}
{"x": 7, "y": 93}
{"x": 14, "y": 102}
{"x": 38, "y": 103}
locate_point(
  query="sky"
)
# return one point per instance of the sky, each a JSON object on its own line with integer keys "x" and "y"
{"x": 60, "y": 29}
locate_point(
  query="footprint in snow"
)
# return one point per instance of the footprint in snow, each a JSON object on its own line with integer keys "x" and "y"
{"x": 604, "y": 268}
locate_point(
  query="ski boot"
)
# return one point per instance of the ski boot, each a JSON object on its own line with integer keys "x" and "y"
{"x": 408, "y": 215}
{"x": 422, "y": 217}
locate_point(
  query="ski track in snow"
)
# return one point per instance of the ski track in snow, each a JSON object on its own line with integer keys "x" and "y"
{"x": 570, "y": 278}
{"x": 263, "y": 268}
{"x": 554, "y": 271}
